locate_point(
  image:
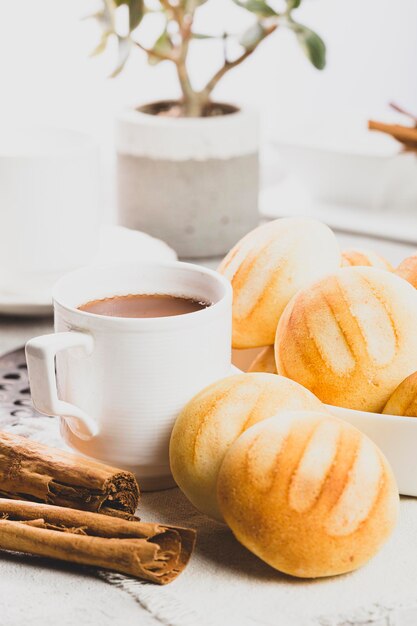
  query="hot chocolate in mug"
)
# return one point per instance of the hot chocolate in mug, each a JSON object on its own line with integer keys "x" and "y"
{"x": 118, "y": 383}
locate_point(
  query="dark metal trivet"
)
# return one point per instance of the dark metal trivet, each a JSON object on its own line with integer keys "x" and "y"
{"x": 15, "y": 400}
{"x": 17, "y": 413}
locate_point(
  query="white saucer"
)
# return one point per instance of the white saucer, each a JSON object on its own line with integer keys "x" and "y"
{"x": 286, "y": 199}
{"x": 24, "y": 306}
{"x": 33, "y": 296}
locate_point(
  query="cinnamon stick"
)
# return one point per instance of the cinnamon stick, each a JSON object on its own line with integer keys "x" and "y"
{"x": 407, "y": 135}
{"x": 151, "y": 552}
{"x": 33, "y": 471}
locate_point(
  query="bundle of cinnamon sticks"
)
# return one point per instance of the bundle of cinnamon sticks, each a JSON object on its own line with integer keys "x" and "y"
{"x": 66, "y": 507}
{"x": 33, "y": 471}
{"x": 149, "y": 551}
{"x": 406, "y": 135}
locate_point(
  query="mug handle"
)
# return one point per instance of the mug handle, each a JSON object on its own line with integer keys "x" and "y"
{"x": 40, "y": 356}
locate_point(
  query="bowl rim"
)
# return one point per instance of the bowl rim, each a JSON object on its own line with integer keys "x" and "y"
{"x": 371, "y": 415}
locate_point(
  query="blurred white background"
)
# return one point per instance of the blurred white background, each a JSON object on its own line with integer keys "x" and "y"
{"x": 48, "y": 78}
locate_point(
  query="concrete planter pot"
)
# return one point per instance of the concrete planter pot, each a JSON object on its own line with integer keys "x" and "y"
{"x": 192, "y": 182}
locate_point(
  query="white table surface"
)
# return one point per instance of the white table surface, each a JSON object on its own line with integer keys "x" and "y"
{"x": 40, "y": 593}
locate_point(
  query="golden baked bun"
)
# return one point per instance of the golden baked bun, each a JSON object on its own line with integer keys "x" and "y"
{"x": 407, "y": 269}
{"x": 350, "y": 338}
{"x": 268, "y": 266}
{"x": 215, "y": 417}
{"x": 308, "y": 493}
{"x": 364, "y": 258}
{"x": 404, "y": 399}
{"x": 265, "y": 361}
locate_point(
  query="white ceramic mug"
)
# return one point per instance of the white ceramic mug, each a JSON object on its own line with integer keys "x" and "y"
{"x": 48, "y": 207}
{"x": 121, "y": 382}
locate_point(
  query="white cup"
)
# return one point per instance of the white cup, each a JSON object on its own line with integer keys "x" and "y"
{"x": 121, "y": 382}
{"x": 48, "y": 206}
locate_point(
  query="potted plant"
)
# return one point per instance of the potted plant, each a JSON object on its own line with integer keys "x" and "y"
{"x": 188, "y": 168}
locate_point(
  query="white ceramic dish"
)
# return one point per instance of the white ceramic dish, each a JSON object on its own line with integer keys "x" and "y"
{"x": 397, "y": 438}
{"x": 342, "y": 162}
{"x": 288, "y": 199}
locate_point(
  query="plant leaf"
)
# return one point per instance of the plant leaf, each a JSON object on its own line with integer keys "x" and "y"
{"x": 102, "y": 18}
{"x": 163, "y": 45}
{"x": 98, "y": 15}
{"x": 313, "y": 45}
{"x": 136, "y": 11}
{"x": 203, "y": 36}
{"x": 191, "y": 5}
{"x": 259, "y": 7}
{"x": 292, "y": 4}
{"x": 124, "y": 46}
{"x": 101, "y": 46}
{"x": 252, "y": 36}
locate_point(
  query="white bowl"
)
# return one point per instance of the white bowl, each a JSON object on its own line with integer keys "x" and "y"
{"x": 345, "y": 163}
{"x": 397, "y": 438}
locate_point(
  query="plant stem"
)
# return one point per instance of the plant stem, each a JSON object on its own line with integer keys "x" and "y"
{"x": 187, "y": 91}
{"x": 175, "y": 10}
{"x": 229, "y": 65}
{"x": 195, "y": 102}
{"x": 191, "y": 100}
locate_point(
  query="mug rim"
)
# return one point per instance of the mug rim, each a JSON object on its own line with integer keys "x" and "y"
{"x": 145, "y": 323}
